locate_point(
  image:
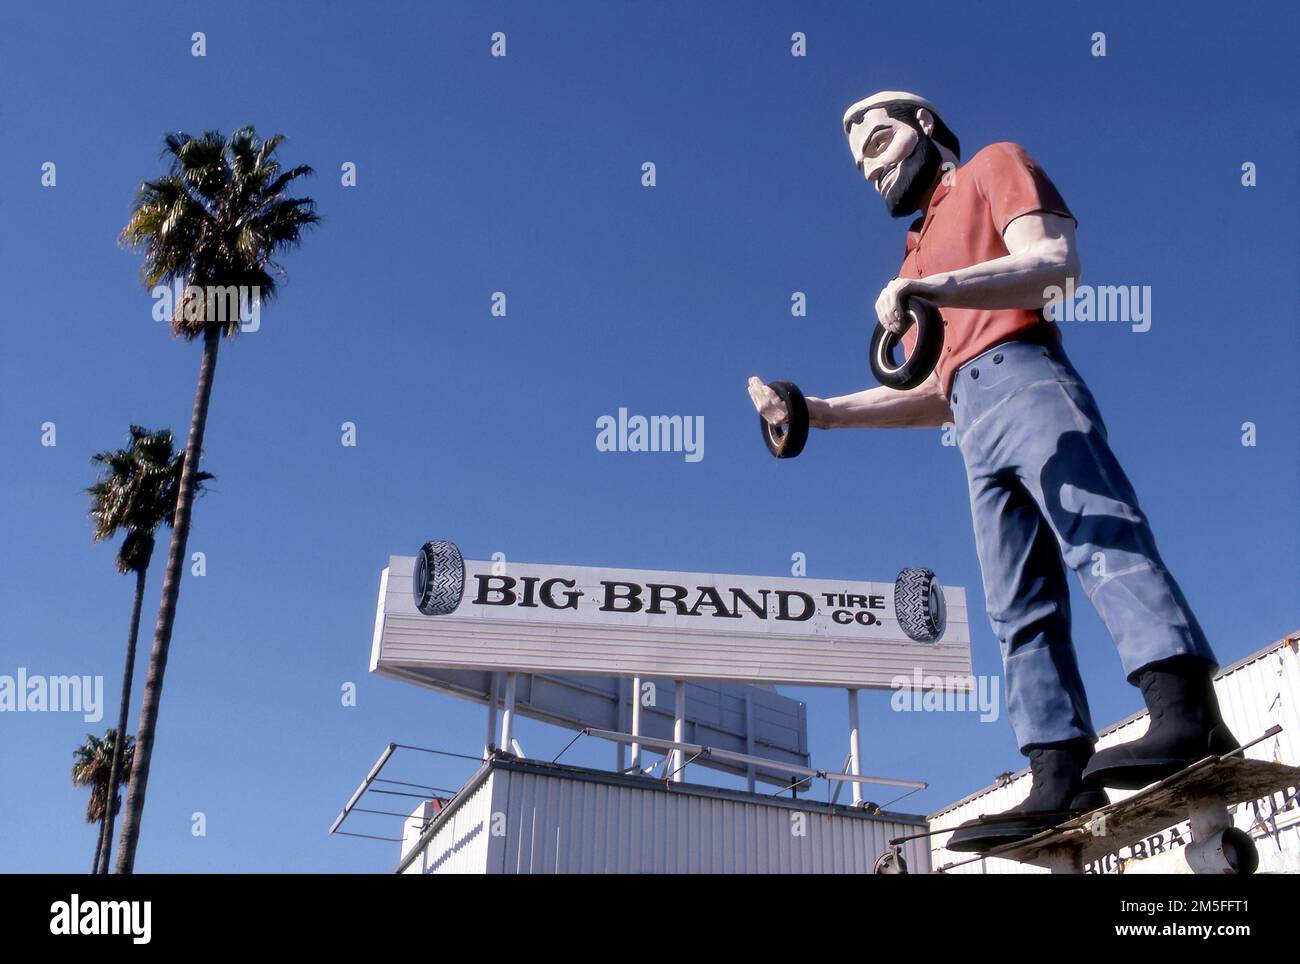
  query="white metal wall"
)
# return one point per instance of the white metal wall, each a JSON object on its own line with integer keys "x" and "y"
{"x": 461, "y": 846}
{"x": 1255, "y": 694}
{"x": 569, "y": 822}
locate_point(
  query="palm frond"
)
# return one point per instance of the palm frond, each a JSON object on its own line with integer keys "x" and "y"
{"x": 91, "y": 764}
{"x": 217, "y": 218}
{"x": 137, "y": 493}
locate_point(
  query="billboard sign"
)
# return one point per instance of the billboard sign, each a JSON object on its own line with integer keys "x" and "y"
{"x": 539, "y": 618}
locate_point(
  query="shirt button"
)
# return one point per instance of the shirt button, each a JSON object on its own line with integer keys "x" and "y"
{"x": 997, "y": 359}
{"x": 974, "y": 373}
{"x": 954, "y": 398}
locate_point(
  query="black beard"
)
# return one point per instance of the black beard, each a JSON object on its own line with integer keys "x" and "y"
{"x": 916, "y": 175}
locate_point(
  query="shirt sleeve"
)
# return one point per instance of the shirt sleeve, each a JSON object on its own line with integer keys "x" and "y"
{"x": 1014, "y": 185}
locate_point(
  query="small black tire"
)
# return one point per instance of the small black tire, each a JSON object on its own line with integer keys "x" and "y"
{"x": 890, "y": 862}
{"x": 438, "y": 580}
{"x": 916, "y": 367}
{"x": 919, "y": 605}
{"x": 785, "y": 442}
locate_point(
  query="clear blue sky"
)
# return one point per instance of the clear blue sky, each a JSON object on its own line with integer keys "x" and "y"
{"x": 523, "y": 175}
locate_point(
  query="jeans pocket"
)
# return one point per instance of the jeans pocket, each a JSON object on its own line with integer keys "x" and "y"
{"x": 1083, "y": 399}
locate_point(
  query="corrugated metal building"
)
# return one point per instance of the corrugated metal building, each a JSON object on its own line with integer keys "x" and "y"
{"x": 528, "y": 817}
{"x": 1255, "y": 693}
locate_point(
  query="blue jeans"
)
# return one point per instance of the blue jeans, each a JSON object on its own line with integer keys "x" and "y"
{"x": 1046, "y": 492}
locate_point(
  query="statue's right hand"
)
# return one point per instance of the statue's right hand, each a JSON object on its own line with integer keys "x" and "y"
{"x": 767, "y": 402}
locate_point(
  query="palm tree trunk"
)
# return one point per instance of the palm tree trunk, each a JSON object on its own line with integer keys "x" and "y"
{"x": 99, "y": 848}
{"x": 119, "y": 744}
{"x": 171, "y": 587}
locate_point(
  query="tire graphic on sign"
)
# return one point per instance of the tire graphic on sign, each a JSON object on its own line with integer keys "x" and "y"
{"x": 919, "y": 605}
{"x": 439, "y": 578}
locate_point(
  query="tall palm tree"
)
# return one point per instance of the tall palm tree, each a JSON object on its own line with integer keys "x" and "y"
{"x": 135, "y": 494}
{"x": 92, "y": 767}
{"x": 218, "y": 217}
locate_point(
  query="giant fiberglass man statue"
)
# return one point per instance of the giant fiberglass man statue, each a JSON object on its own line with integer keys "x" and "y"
{"x": 992, "y": 235}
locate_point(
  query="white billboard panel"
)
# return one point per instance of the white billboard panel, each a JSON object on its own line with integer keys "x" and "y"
{"x": 528, "y": 617}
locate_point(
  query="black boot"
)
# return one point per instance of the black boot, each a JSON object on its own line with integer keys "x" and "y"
{"x": 1059, "y": 792}
{"x": 1186, "y": 726}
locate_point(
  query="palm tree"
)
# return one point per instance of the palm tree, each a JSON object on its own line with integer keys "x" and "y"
{"x": 91, "y": 767}
{"x": 217, "y": 218}
{"x": 136, "y": 494}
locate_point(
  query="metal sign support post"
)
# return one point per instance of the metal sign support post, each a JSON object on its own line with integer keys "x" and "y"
{"x": 624, "y": 720}
{"x": 491, "y": 719}
{"x": 508, "y": 712}
{"x": 636, "y": 723}
{"x": 855, "y": 754}
{"x": 749, "y": 738}
{"x": 679, "y": 729}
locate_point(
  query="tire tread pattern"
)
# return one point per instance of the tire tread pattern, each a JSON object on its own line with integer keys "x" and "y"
{"x": 444, "y": 581}
{"x": 912, "y": 605}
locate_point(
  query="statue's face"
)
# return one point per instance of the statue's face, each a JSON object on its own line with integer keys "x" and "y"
{"x": 900, "y": 161}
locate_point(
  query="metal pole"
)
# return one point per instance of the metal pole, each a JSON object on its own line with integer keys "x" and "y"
{"x": 365, "y": 785}
{"x": 636, "y": 722}
{"x": 620, "y": 687}
{"x": 855, "y": 751}
{"x": 749, "y": 738}
{"x": 508, "y": 712}
{"x": 493, "y": 693}
{"x": 679, "y": 729}
{"x": 835, "y": 797}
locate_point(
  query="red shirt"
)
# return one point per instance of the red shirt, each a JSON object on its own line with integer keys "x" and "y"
{"x": 963, "y": 226}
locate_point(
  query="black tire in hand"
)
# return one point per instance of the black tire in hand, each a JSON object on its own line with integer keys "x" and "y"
{"x": 785, "y": 442}
{"x": 439, "y": 578}
{"x": 919, "y": 605}
{"x": 916, "y": 367}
